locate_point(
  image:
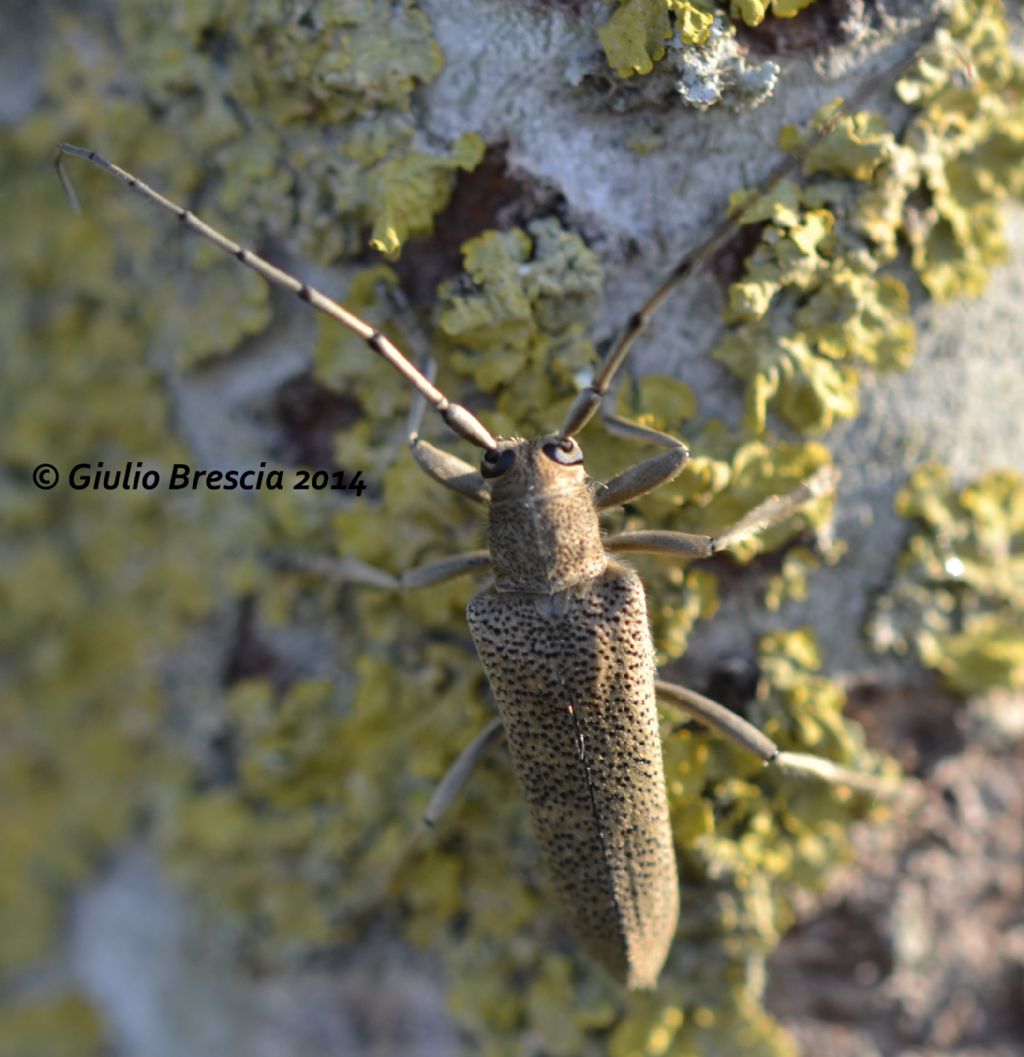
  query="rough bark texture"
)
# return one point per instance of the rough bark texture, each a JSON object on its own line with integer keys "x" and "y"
{"x": 919, "y": 948}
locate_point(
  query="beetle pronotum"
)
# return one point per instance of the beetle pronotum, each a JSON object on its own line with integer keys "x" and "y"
{"x": 562, "y": 628}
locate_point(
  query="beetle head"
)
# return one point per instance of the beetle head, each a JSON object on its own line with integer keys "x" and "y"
{"x": 518, "y": 468}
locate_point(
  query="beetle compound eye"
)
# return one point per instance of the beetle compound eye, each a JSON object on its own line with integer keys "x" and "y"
{"x": 566, "y": 452}
{"x": 495, "y": 463}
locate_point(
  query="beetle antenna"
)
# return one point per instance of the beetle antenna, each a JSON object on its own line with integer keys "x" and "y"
{"x": 457, "y": 418}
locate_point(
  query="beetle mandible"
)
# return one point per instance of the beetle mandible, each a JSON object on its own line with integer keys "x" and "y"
{"x": 562, "y": 629}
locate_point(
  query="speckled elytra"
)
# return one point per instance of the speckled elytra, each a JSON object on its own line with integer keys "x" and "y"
{"x": 562, "y": 630}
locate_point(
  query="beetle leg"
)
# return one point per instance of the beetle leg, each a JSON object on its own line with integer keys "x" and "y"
{"x": 774, "y": 509}
{"x": 447, "y": 793}
{"x": 648, "y": 475}
{"x": 443, "y": 798}
{"x": 354, "y": 571}
{"x": 444, "y": 468}
{"x": 455, "y": 779}
{"x": 730, "y": 725}
{"x": 449, "y": 470}
{"x": 675, "y": 544}
{"x": 745, "y": 735}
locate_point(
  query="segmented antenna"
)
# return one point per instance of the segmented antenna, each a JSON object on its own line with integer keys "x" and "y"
{"x": 456, "y": 417}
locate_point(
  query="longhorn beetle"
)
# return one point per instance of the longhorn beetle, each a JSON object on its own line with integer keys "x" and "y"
{"x": 562, "y": 629}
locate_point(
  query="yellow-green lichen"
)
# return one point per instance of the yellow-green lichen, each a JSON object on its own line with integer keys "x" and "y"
{"x": 754, "y": 12}
{"x": 790, "y": 583}
{"x": 62, "y": 1026}
{"x": 634, "y": 37}
{"x": 512, "y": 325}
{"x": 408, "y": 192}
{"x": 811, "y": 307}
{"x": 958, "y": 598}
{"x": 98, "y": 589}
{"x": 271, "y": 123}
{"x": 694, "y": 49}
{"x": 291, "y": 791}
